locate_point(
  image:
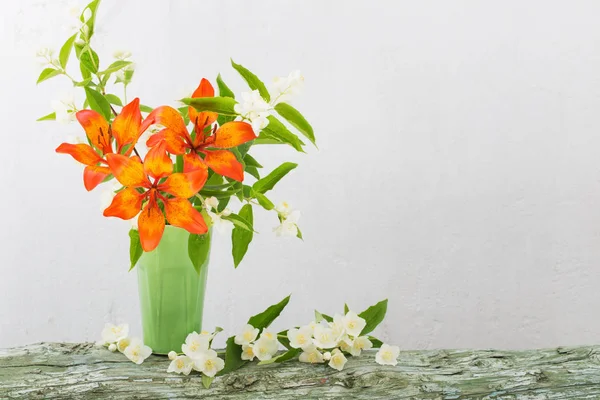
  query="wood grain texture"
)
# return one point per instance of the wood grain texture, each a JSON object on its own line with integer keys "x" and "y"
{"x": 74, "y": 371}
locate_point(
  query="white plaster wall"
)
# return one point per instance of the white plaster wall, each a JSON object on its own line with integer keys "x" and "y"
{"x": 458, "y": 171}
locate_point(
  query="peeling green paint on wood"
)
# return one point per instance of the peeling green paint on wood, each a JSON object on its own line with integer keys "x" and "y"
{"x": 69, "y": 371}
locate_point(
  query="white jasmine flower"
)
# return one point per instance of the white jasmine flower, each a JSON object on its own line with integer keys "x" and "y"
{"x": 265, "y": 348}
{"x": 121, "y": 54}
{"x": 75, "y": 139}
{"x": 123, "y": 343}
{"x": 356, "y": 346}
{"x": 79, "y": 41}
{"x": 283, "y": 88}
{"x": 311, "y": 355}
{"x": 172, "y": 355}
{"x": 253, "y": 108}
{"x": 338, "y": 360}
{"x": 195, "y": 345}
{"x": 248, "y": 335}
{"x": 353, "y": 324}
{"x": 312, "y": 325}
{"x": 44, "y": 52}
{"x": 75, "y": 23}
{"x": 268, "y": 335}
{"x": 283, "y": 209}
{"x": 112, "y": 333}
{"x": 325, "y": 337}
{"x": 211, "y": 203}
{"x": 387, "y": 355}
{"x": 65, "y": 109}
{"x": 181, "y": 365}
{"x": 289, "y": 226}
{"x": 247, "y": 352}
{"x": 220, "y": 224}
{"x": 208, "y": 363}
{"x": 137, "y": 351}
{"x": 327, "y": 356}
{"x": 338, "y": 328}
{"x": 300, "y": 338}
{"x": 112, "y": 347}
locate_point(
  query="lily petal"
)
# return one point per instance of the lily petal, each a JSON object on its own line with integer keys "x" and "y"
{"x": 233, "y": 134}
{"x": 96, "y": 129}
{"x": 176, "y": 133}
{"x": 81, "y": 152}
{"x": 126, "y": 204}
{"x": 192, "y": 162}
{"x": 128, "y": 171}
{"x": 157, "y": 162}
{"x": 202, "y": 119}
{"x": 93, "y": 175}
{"x": 151, "y": 225}
{"x": 181, "y": 213}
{"x": 126, "y": 126}
{"x": 223, "y": 162}
{"x": 184, "y": 185}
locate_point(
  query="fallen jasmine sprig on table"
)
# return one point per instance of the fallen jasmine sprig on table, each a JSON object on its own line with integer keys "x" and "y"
{"x": 116, "y": 337}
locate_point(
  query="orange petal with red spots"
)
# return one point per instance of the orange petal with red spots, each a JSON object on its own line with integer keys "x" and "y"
{"x": 184, "y": 185}
{"x": 80, "y": 152}
{"x": 129, "y": 172}
{"x": 179, "y": 212}
{"x": 157, "y": 162}
{"x": 93, "y": 175}
{"x": 126, "y": 126}
{"x": 126, "y": 204}
{"x": 223, "y": 162}
{"x": 176, "y": 133}
{"x": 96, "y": 129}
{"x": 233, "y": 134}
{"x": 192, "y": 162}
{"x": 151, "y": 225}
{"x": 205, "y": 118}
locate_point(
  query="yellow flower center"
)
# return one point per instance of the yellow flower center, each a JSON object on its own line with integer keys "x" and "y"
{"x": 248, "y": 336}
{"x": 301, "y": 339}
{"x": 351, "y": 324}
{"x": 208, "y": 364}
{"x": 180, "y": 364}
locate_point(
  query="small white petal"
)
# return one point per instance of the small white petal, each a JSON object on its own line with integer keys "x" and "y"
{"x": 112, "y": 347}
{"x": 172, "y": 355}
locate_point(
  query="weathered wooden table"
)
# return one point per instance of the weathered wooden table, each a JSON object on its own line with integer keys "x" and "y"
{"x": 82, "y": 371}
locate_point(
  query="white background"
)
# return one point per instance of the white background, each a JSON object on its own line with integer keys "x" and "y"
{"x": 458, "y": 169}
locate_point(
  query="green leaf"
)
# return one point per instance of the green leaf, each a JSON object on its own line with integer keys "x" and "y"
{"x": 84, "y": 82}
{"x": 146, "y": 109}
{"x": 90, "y": 62}
{"x": 240, "y": 237}
{"x": 218, "y": 193}
{"x": 239, "y": 222}
{"x": 267, "y": 140}
{"x": 224, "y": 90}
{"x": 264, "y": 201}
{"x": 252, "y": 81}
{"x": 376, "y": 342}
{"x": 199, "y": 250}
{"x": 346, "y": 309}
{"x": 277, "y": 130}
{"x": 251, "y": 161}
{"x": 221, "y": 105}
{"x": 320, "y": 317}
{"x": 98, "y": 102}
{"x": 283, "y": 339}
{"x": 113, "y": 99}
{"x": 297, "y": 120}
{"x": 265, "y": 318}
{"x": 253, "y": 171}
{"x": 207, "y": 380}
{"x": 49, "y": 117}
{"x": 268, "y": 182}
{"x": 135, "y": 247}
{"x": 373, "y": 315}
{"x": 233, "y": 357}
{"x": 299, "y": 234}
{"x": 114, "y": 67}
{"x": 65, "y": 51}
{"x": 288, "y": 355}
{"x": 46, "y": 74}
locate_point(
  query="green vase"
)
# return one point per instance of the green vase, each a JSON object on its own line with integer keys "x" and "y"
{"x": 171, "y": 291}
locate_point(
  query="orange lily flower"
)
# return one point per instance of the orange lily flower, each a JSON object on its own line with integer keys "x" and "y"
{"x": 152, "y": 182}
{"x": 125, "y": 129}
{"x": 211, "y": 147}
